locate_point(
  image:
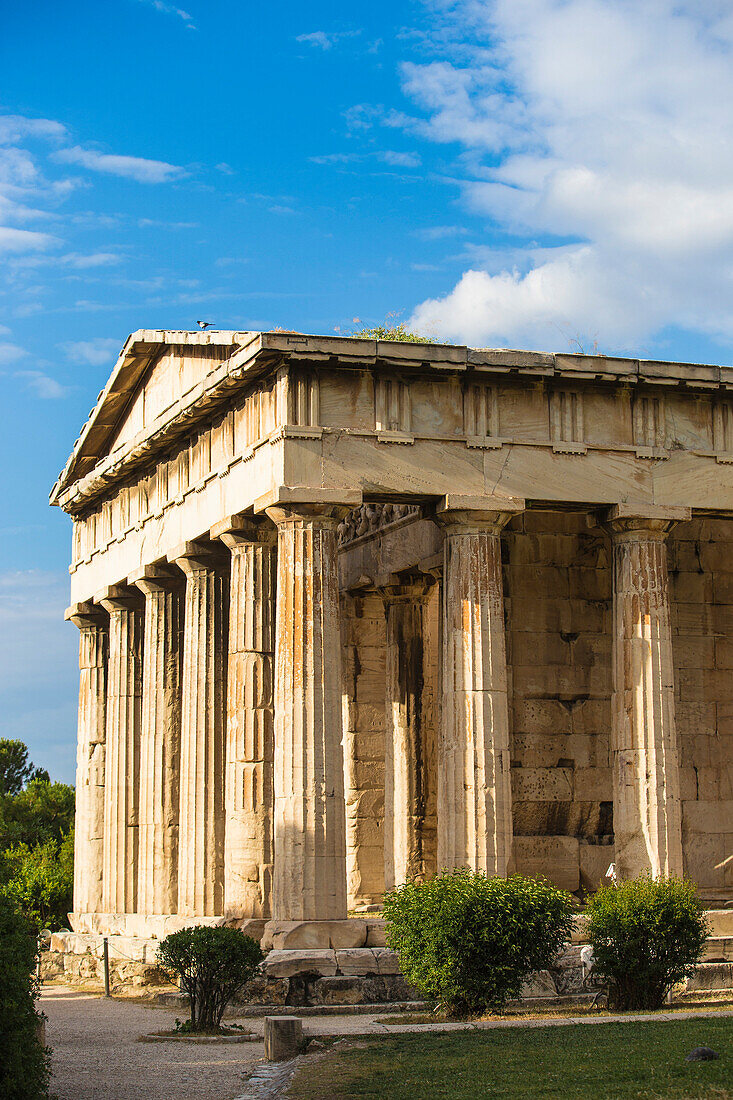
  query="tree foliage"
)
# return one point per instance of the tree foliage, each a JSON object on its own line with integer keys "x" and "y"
{"x": 43, "y": 811}
{"x": 470, "y": 941}
{"x": 213, "y": 965}
{"x": 15, "y": 768}
{"x": 646, "y": 934}
{"x": 24, "y": 1063}
{"x": 40, "y": 881}
{"x": 36, "y": 839}
{"x": 397, "y": 332}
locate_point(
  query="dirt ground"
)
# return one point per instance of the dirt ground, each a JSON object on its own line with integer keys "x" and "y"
{"x": 97, "y": 1055}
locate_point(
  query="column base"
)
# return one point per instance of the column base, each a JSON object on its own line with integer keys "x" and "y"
{"x": 156, "y": 926}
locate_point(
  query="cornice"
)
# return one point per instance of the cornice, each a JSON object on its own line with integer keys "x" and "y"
{"x": 253, "y": 354}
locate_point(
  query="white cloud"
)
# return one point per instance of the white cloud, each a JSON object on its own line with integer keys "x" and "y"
{"x": 602, "y": 127}
{"x": 400, "y": 160}
{"x": 171, "y": 9}
{"x": 438, "y": 232}
{"x": 24, "y": 240}
{"x": 134, "y": 168}
{"x": 13, "y": 128}
{"x": 10, "y": 353}
{"x": 92, "y": 259}
{"x": 45, "y": 387}
{"x": 93, "y": 353}
{"x": 325, "y": 40}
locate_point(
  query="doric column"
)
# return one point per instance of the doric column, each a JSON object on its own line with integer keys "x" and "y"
{"x": 310, "y": 853}
{"x": 405, "y": 793}
{"x": 201, "y": 822}
{"x": 647, "y": 819}
{"x": 249, "y": 794}
{"x": 122, "y": 765}
{"x": 160, "y": 740}
{"x": 89, "y": 821}
{"x": 474, "y": 784}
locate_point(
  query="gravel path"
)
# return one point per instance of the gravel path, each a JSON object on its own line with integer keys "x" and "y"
{"x": 97, "y": 1056}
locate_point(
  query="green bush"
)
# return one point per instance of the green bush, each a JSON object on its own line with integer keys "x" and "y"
{"x": 24, "y": 1063}
{"x": 40, "y": 880}
{"x": 469, "y": 941}
{"x": 646, "y": 934}
{"x": 213, "y": 965}
{"x": 42, "y": 811}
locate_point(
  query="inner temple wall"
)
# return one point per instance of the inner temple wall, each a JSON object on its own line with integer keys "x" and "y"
{"x": 700, "y": 555}
{"x": 558, "y": 605}
{"x": 364, "y": 634}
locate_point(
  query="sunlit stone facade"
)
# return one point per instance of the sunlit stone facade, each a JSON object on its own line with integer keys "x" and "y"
{"x": 352, "y": 611}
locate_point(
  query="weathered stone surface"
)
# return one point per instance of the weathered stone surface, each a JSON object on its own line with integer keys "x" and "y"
{"x": 201, "y": 830}
{"x": 249, "y": 798}
{"x": 474, "y": 794}
{"x": 160, "y": 743}
{"x": 360, "y": 960}
{"x": 90, "y": 758}
{"x": 314, "y": 934}
{"x": 310, "y": 875}
{"x": 555, "y": 857}
{"x": 647, "y": 809}
{"x": 283, "y": 1037}
{"x": 284, "y": 964}
{"x": 122, "y": 756}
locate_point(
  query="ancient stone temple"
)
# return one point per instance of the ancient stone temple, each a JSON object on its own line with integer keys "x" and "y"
{"x": 351, "y": 611}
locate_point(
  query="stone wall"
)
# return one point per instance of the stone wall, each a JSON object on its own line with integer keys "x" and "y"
{"x": 701, "y": 586}
{"x": 558, "y": 592}
{"x": 364, "y": 671}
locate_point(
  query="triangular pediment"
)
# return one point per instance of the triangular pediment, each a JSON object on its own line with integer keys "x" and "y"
{"x": 155, "y": 369}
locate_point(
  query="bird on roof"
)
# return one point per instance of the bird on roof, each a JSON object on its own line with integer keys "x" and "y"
{"x": 204, "y": 324}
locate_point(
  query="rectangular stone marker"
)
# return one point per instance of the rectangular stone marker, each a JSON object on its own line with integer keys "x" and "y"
{"x": 283, "y": 1037}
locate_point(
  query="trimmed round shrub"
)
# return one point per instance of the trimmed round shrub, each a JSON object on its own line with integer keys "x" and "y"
{"x": 470, "y": 942}
{"x": 24, "y": 1062}
{"x": 647, "y": 934}
{"x": 213, "y": 965}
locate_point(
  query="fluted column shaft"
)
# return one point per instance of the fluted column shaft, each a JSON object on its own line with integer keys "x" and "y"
{"x": 90, "y": 759}
{"x": 474, "y": 784}
{"x": 249, "y": 793}
{"x": 160, "y": 744}
{"x": 201, "y": 828}
{"x": 122, "y": 764}
{"x": 647, "y": 815}
{"x": 404, "y": 776}
{"x": 310, "y": 822}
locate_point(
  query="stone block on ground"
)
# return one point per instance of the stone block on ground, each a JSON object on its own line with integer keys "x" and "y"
{"x": 710, "y": 976}
{"x": 283, "y": 1037}
{"x": 539, "y": 984}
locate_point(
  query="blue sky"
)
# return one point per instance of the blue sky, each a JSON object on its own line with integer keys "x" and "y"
{"x": 537, "y": 173}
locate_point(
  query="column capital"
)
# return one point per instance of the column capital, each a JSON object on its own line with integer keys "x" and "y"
{"x": 286, "y": 504}
{"x": 154, "y": 578}
{"x": 85, "y": 615}
{"x": 655, "y": 521}
{"x": 118, "y": 597}
{"x": 477, "y": 513}
{"x": 195, "y": 557}
{"x": 241, "y": 529}
{"x": 406, "y": 588}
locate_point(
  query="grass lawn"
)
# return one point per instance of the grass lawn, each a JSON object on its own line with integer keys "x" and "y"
{"x": 581, "y": 1062}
